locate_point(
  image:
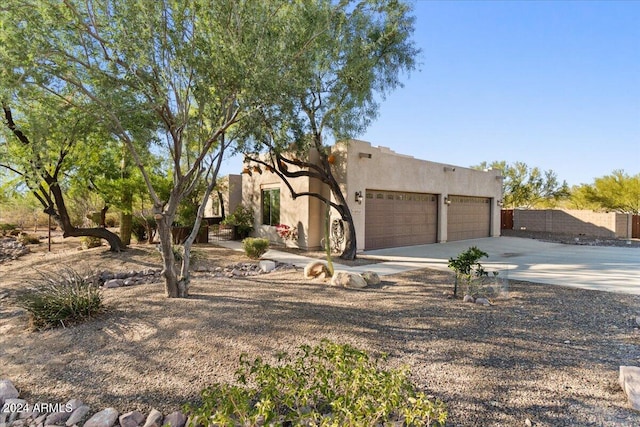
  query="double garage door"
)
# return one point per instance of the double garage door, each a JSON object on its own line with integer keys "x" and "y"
{"x": 400, "y": 219}
{"x": 395, "y": 219}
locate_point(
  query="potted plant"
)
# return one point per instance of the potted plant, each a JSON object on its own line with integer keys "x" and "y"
{"x": 242, "y": 222}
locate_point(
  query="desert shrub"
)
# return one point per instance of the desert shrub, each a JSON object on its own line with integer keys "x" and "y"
{"x": 28, "y": 239}
{"x": 112, "y": 220}
{"x": 89, "y": 242}
{"x": 7, "y": 228}
{"x": 468, "y": 267}
{"x": 61, "y": 299}
{"x": 327, "y": 385}
{"x": 254, "y": 248}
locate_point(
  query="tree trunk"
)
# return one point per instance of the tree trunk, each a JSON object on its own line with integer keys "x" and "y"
{"x": 103, "y": 216}
{"x": 126, "y": 218}
{"x": 61, "y": 216}
{"x": 168, "y": 259}
{"x": 349, "y": 252}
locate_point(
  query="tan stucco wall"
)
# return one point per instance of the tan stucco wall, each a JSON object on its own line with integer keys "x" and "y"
{"x": 301, "y": 213}
{"x": 231, "y": 196}
{"x": 387, "y": 170}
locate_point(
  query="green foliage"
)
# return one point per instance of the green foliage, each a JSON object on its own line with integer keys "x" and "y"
{"x": 326, "y": 385}
{"x": 142, "y": 226}
{"x": 61, "y": 299}
{"x": 89, "y": 242}
{"x": 28, "y": 239}
{"x": 619, "y": 192}
{"x": 467, "y": 266}
{"x": 242, "y": 218}
{"x": 526, "y": 187}
{"x": 254, "y": 248}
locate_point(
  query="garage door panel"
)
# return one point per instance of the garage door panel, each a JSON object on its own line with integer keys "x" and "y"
{"x": 468, "y": 218}
{"x": 399, "y": 219}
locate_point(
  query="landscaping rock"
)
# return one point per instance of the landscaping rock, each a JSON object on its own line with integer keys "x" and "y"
{"x": 483, "y": 301}
{"x": 9, "y": 405}
{"x": 11, "y": 249}
{"x": 77, "y": 415}
{"x": 468, "y": 298}
{"x": 7, "y": 391}
{"x": 60, "y": 418}
{"x": 315, "y": 269}
{"x": 175, "y": 419}
{"x": 345, "y": 279}
{"x": 105, "y": 418}
{"x": 266, "y": 266}
{"x": 113, "y": 283}
{"x": 131, "y": 419}
{"x": 630, "y": 382}
{"x": 371, "y": 277}
{"x": 154, "y": 419}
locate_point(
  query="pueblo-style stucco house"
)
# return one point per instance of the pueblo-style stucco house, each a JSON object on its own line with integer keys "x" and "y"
{"x": 395, "y": 200}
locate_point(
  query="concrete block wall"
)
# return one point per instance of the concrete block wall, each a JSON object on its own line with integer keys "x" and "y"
{"x": 575, "y": 222}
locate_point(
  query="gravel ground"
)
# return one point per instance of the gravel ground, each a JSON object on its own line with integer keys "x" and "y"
{"x": 547, "y": 354}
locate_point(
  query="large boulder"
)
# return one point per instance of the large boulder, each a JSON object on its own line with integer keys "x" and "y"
{"x": 316, "y": 269}
{"x": 345, "y": 279}
{"x": 630, "y": 382}
{"x": 371, "y": 277}
{"x": 7, "y": 391}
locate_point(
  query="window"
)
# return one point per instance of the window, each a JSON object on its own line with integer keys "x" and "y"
{"x": 271, "y": 206}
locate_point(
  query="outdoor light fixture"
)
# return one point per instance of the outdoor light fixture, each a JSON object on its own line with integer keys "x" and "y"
{"x": 364, "y": 155}
{"x": 359, "y": 197}
{"x": 447, "y": 201}
{"x": 499, "y": 202}
{"x": 449, "y": 169}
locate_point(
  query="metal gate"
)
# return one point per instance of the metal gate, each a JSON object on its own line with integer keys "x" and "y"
{"x": 506, "y": 219}
{"x": 635, "y": 226}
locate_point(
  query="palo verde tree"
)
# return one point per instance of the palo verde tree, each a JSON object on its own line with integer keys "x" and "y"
{"x": 41, "y": 140}
{"x": 526, "y": 187}
{"x": 618, "y": 192}
{"x": 355, "y": 52}
{"x": 193, "y": 69}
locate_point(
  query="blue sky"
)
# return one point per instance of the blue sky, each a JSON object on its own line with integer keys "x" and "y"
{"x": 555, "y": 84}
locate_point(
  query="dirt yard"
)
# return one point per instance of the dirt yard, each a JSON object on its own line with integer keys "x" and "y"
{"x": 548, "y": 354}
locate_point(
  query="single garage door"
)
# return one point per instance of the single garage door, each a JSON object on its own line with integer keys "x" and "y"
{"x": 395, "y": 219}
{"x": 468, "y": 218}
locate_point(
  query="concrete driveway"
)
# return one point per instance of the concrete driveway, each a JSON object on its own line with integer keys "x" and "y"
{"x": 589, "y": 267}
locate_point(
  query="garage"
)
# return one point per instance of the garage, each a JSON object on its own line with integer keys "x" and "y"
{"x": 468, "y": 217}
{"x": 395, "y": 219}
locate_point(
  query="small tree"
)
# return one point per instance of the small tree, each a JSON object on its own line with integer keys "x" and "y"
{"x": 466, "y": 266}
{"x": 357, "y": 53}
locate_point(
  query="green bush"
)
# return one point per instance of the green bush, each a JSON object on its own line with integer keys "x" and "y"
{"x": 28, "y": 239}
{"x": 89, "y": 242}
{"x": 254, "y": 248}
{"x": 61, "y": 299}
{"x": 327, "y": 385}
{"x": 467, "y": 266}
{"x": 241, "y": 218}
{"x": 7, "y": 228}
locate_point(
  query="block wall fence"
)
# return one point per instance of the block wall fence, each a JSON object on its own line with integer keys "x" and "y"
{"x": 574, "y": 222}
